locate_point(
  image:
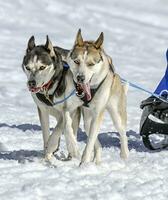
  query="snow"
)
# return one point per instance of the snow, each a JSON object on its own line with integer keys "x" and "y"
{"x": 136, "y": 38}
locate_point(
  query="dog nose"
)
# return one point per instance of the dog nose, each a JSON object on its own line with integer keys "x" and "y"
{"x": 32, "y": 83}
{"x": 80, "y": 78}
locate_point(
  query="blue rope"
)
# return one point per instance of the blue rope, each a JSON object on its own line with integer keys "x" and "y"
{"x": 145, "y": 90}
{"x": 123, "y": 80}
{"x": 65, "y": 98}
{"x": 66, "y": 66}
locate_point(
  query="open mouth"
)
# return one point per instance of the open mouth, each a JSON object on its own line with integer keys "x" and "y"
{"x": 34, "y": 89}
{"x": 83, "y": 89}
{"x": 41, "y": 88}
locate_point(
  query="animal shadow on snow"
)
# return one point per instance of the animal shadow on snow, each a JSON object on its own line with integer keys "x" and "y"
{"x": 22, "y": 127}
{"x": 111, "y": 139}
{"x": 20, "y": 155}
{"x": 108, "y": 140}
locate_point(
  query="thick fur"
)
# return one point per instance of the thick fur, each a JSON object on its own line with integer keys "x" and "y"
{"x": 88, "y": 58}
{"x": 40, "y": 64}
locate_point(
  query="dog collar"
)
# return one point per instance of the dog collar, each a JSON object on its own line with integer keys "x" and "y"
{"x": 47, "y": 85}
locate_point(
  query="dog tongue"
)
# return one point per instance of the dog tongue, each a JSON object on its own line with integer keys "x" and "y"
{"x": 86, "y": 89}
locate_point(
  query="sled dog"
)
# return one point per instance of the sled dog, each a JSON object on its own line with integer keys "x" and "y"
{"x": 50, "y": 83}
{"x": 100, "y": 89}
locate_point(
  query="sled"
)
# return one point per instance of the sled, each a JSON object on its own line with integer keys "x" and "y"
{"x": 154, "y": 119}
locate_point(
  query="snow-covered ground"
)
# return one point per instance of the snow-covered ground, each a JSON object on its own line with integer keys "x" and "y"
{"x": 136, "y": 36}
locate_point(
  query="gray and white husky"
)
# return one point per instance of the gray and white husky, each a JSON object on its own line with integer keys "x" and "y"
{"x": 100, "y": 89}
{"x": 49, "y": 83}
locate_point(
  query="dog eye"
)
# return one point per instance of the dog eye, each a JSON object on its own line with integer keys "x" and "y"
{"x": 42, "y": 67}
{"x": 90, "y": 64}
{"x": 28, "y": 68}
{"x": 77, "y": 62}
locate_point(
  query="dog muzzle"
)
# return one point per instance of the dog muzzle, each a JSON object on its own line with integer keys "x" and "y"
{"x": 42, "y": 88}
{"x": 34, "y": 89}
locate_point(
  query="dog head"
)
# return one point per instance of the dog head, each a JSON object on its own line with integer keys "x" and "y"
{"x": 40, "y": 64}
{"x": 85, "y": 61}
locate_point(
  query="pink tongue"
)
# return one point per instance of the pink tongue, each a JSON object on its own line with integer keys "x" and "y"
{"x": 86, "y": 89}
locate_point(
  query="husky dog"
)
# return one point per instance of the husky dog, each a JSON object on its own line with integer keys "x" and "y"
{"x": 100, "y": 88}
{"x": 49, "y": 83}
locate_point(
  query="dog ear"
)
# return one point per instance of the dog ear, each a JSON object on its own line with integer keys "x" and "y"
{"x": 99, "y": 41}
{"x": 49, "y": 47}
{"x": 79, "y": 39}
{"x": 31, "y": 44}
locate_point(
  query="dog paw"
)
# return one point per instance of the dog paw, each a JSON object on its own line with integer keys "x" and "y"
{"x": 84, "y": 164}
{"x": 84, "y": 161}
{"x": 50, "y": 160}
{"x": 98, "y": 162}
{"x": 48, "y": 157}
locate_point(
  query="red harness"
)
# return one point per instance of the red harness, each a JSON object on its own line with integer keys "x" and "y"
{"x": 42, "y": 88}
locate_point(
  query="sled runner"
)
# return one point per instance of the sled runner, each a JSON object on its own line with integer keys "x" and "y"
{"x": 154, "y": 119}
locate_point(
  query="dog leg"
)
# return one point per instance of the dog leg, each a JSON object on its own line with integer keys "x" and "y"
{"x": 76, "y": 120}
{"x": 118, "y": 114}
{"x": 54, "y": 139}
{"x": 44, "y": 120}
{"x": 97, "y": 147}
{"x": 75, "y": 125}
{"x": 93, "y": 133}
{"x": 97, "y": 152}
{"x": 70, "y": 137}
